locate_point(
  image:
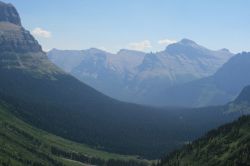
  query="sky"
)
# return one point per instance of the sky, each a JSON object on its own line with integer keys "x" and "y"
{"x": 146, "y": 25}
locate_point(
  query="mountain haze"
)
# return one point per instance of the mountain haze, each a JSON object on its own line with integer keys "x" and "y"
{"x": 220, "y": 88}
{"x": 50, "y": 99}
{"x": 136, "y": 76}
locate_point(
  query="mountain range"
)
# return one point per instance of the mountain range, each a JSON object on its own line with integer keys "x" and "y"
{"x": 50, "y": 118}
{"x": 220, "y": 88}
{"x": 45, "y": 97}
{"x": 137, "y": 77}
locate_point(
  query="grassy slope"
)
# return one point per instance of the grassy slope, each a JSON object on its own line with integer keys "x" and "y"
{"x": 225, "y": 146}
{"x": 21, "y": 144}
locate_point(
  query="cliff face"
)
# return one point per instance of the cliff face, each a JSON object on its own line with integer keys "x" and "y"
{"x": 8, "y": 13}
{"x": 18, "y": 48}
{"x": 13, "y": 37}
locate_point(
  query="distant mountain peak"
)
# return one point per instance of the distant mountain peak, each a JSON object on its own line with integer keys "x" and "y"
{"x": 244, "y": 96}
{"x": 53, "y": 49}
{"x": 187, "y": 41}
{"x": 95, "y": 50}
{"x": 224, "y": 50}
{"x": 185, "y": 46}
{"x": 8, "y": 13}
{"x": 126, "y": 51}
{"x": 183, "y": 43}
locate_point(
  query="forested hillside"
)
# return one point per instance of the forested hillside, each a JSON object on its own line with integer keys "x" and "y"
{"x": 24, "y": 145}
{"x": 228, "y": 145}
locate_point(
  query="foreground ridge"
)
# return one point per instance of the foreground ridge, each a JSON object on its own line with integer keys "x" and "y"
{"x": 227, "y": 145}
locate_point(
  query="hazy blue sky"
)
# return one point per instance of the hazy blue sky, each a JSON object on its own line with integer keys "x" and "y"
{"x": 138, "y": 24}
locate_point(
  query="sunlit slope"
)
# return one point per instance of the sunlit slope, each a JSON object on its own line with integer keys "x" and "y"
{"x": 22, "y": 144}
{"x": 225, "y": 146}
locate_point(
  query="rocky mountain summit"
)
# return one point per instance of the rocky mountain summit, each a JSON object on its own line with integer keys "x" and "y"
{"x": 18, "y": 48}
{"x": 15, "y": 37}
{"x": 8, "y": 13}
{"x": 12, "y": 35}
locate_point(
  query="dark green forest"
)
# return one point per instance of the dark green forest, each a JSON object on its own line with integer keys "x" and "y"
{"x": 23, "y": 145}
{"x": 229, "y": 145}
